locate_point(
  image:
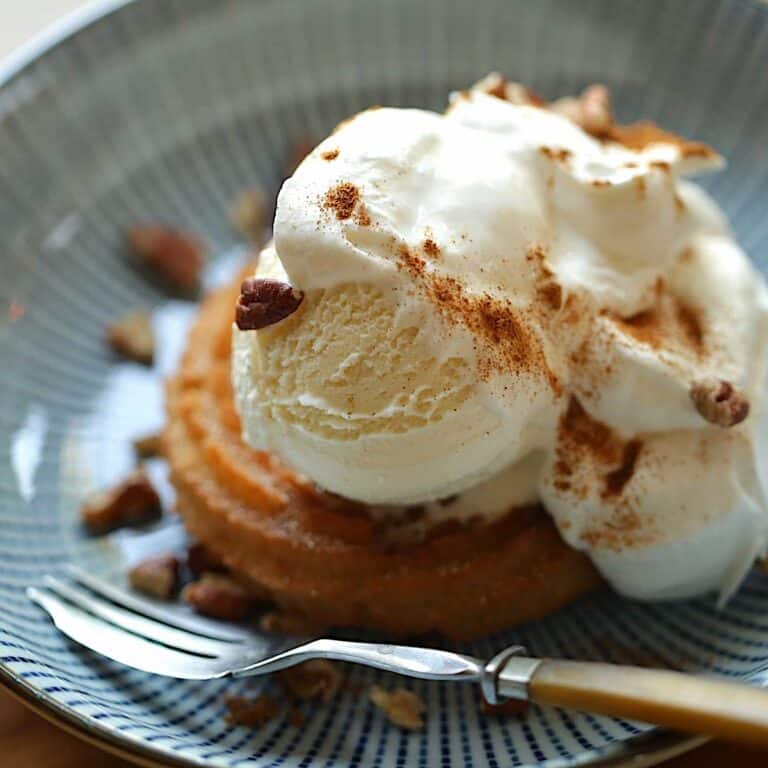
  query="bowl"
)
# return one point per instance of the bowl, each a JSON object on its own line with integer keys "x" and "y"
{"x": 149, "y": 110}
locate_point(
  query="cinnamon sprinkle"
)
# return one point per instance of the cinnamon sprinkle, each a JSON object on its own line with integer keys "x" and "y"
{"x": 506, "y": 344}
{"x": 618, "y": 478}
{"x": 330, "y": 154}
{"x": 639, "y": 135}
{"x": 431, "y": 248}
{"x": 342, "y": 200}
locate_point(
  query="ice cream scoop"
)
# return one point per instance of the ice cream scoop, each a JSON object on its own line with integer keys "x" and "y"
{"x": 476, "y": 296}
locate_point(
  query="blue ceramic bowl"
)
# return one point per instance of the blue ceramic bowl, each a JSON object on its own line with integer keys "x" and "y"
{"x": 164, "y": 110}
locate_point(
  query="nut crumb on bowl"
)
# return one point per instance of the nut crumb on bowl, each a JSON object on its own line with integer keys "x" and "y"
{"x": 156, "y": 576}
{"x": 401, "y": 706}
{"x": 318, "y": 679}
{"x": 200, "y": 559}
{"x": 131, "y": 502}
{"x": 219, "y": 596}
{"x": 252, "y": 713}
{"x": 173, "y": 257}
{"x": 148, "y": 446}
{"x": 131, "y": 337}
{"x": 248, "y": 214}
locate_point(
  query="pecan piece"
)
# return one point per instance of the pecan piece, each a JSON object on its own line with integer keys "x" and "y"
{"x": 495, "y": 84}
{"x": 719, "y": 402}
{"x": 317, "y": 679}
{"x": 264, "y": 301}
{"x": 133, "y": 501}
{"x": 175, "y": 258}
{"x": 248, "y": 214}
{"x": 156, "y": 576}
{"x": 131, "y": 337}
{"x": 591, "y": 110}
{"x": 202, "y": 560}
{"x": 401, "y": 706}
{"x": 219, "y": 597}
{"x": 149, "y": 446}
{"x": 250, "y": 712}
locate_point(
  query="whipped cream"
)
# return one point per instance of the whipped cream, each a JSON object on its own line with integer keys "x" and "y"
{"x": 498, "y": 305}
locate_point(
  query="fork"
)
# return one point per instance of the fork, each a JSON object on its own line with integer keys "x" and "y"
{"x": 153, "y": 637}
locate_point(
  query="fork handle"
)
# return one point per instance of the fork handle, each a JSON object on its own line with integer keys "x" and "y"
{"x": 733, "y": 711}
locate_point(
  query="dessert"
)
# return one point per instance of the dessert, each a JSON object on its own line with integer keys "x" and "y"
{"x": 461, "y": 318}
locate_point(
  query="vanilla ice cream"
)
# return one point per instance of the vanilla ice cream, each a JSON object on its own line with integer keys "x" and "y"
{"x": 495, "y": 304}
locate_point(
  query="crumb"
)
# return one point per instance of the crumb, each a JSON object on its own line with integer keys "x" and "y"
{"x": 131, "y": 337}
{"x": 156, "y": 576}
{"x": 202, "y": 560}
{"x": 318, "y": 679}
{"x": 719, "y": 402}
{"x": 219, "y": 597}
{"x": 250, "y": 712}
{"x": 174, "y": 257}
{"x": 148, "y": 447}
{"x": 248, "y": 214}
{"x": 330, "y": 154}
{"x": 401, "y": 706}
{"x": 133, "y": 501}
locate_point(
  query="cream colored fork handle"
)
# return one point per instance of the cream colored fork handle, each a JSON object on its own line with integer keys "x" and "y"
{"x": 685, "y": 702}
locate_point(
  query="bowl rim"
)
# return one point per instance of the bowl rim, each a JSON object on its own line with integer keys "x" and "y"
{"x": 643, "y": 750}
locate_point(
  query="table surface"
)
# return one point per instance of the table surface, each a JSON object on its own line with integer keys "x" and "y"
{"x": 28, "y": 740}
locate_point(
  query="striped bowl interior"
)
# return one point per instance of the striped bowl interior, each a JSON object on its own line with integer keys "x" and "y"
{"x": 164, "y": 110}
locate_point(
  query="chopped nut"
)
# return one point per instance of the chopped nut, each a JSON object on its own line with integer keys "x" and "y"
{"x": 298, "y": 152}
{"x": 494, "y": 84}
{"x": 401, "y": 706}
{"x": 218, "y": 596}
{"x": 156, "y": 576}
{"x": 250, "y": 712}
{"x": 248, "y": 214}
{"x": 507, "y": 708}
{"x": 134, "y": 501}
{"x": 719, "y": 402}
{"x": 591, "y": 111}
{"x": 131, "y": 336}
{"x": 316, "y": 679}
{"x": 264, "y": 301}
{"x": 149, "y": 446}
{"x": 283, "y": 623}
{"x": 175, "y": 258}
{"x": 202, "y": 560}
